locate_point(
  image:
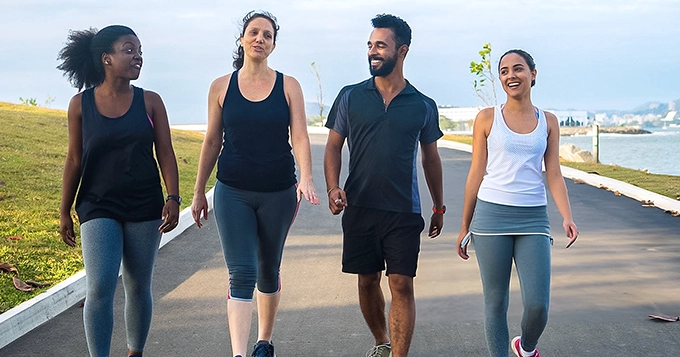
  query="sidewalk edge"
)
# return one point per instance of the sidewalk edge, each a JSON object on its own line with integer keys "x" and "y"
{"x": 30, "y": 314}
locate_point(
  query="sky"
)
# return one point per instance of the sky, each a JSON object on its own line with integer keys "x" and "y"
{"x": 594, "y": 55}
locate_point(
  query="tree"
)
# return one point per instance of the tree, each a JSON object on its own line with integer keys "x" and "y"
{"x": 319, "y": 95}
{"x": 485, "y": 75}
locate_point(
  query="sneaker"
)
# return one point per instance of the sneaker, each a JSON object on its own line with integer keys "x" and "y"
{"x": 384, "y": 350}
{"x": 263, "y": 349}
{"x": 516, "y": 346}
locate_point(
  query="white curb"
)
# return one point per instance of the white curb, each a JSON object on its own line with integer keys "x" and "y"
{"x": 30, "y": 314}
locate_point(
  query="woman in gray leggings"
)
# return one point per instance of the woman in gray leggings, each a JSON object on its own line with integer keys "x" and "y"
{"x": 505, "y": 205}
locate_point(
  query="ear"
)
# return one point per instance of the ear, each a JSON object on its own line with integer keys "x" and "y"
{"x": 106, "y": 58}
{"x": 403, "y": 50}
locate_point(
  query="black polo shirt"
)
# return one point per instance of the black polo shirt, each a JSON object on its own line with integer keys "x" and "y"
{"x": 383, "y": 144}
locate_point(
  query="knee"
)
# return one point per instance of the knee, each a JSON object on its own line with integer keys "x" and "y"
{"x": 268, "y": 281}
{"x": 242, "y": 282}
{"x": 536, "y": 310}
{"x": 401, "y": 285}
{"x": 369, "y": 281}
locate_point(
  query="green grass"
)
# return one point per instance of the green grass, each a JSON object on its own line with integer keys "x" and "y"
{"x": 666, "y": 185}
{"x": 33, "y": 143}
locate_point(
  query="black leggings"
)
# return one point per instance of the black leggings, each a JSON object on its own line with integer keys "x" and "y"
{"x": 253, "y": 227}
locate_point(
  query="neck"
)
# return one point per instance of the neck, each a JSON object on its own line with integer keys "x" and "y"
{"x": 393, "y": 82}
{"x": 255, "y": 69}
{"x": 519, "y": 104}
{"x": 114, "y": 86}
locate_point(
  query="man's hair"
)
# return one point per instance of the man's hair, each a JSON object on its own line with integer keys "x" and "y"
{"x": 402, "y": 31}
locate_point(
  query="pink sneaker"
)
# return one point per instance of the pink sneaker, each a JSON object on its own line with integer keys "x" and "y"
{"x": 517, "y": 347}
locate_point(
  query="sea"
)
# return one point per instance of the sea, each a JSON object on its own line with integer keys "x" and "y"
{"x": 658, "y": 152}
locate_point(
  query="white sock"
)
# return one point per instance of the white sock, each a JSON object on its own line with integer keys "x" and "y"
{"x": 525, "y": 353}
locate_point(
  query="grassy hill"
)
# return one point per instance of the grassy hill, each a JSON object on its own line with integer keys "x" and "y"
{"x": 33, "y": 143}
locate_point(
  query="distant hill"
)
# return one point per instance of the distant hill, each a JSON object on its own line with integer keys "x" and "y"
{"x": 656, "y": 108}
{"x": 312, "y": 109}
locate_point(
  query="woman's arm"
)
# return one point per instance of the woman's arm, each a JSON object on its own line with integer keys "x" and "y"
{"x": 480, "y": 132}
{"x": 212, "y": 144}
{"x": 166, "y": 158}
{"x": 558, "y": 188}
{"x": 300, "y": 139}
{"x": 72, "y": 173}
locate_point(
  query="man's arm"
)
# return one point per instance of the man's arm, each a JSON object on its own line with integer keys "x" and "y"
{"x": 432, "y": 168}
{"x": 332, "y": 162}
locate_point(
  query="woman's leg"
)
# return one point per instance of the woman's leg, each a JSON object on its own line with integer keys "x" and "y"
{"x": 237, "y": 227}
{"x": 494, "y": 256}
{"x": 140, "y": 248}
{"x": 532, "y": 258}
{"x": 102, "y": 244}
{"x": 275, "y": 215}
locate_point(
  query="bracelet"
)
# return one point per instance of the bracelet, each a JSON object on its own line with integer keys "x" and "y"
{"x": 439, "y": 211}
{"x": 331, "y": 189}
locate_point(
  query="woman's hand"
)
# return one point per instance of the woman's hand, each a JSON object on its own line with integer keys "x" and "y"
{"x": 462, "y": 248}
{"x": 66, "y": 230}
{"x": 306, "y": 188}
{"x": 170, "y": 216}
{"x": 199, "y": 205}
{"x": 571, "y": 231}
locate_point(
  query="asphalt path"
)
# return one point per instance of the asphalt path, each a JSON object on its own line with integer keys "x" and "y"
{"x": 624, "y": 266}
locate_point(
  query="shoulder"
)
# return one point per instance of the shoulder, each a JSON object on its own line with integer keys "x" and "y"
{"x": 76, "y": 100}
{"x": 151, "y": 96}
{"x": 486, "y": 114}
{"x": 289, "y": 82}
{"x": 221, "y": 83}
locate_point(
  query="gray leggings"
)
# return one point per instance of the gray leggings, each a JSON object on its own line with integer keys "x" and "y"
{"x": 253, "y": 227}
{"x": 531, "y": 254}
{"x": 105, "y": 242}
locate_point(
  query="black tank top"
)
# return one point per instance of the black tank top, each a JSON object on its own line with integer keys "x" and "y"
{"x": 256, "y": 155}
{"x": 120, "y": 177}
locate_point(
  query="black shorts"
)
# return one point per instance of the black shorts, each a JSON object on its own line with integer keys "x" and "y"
{"x": 374, "y": 237}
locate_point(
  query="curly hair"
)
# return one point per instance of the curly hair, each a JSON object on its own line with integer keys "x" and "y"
{"x": 239, "y": 54}
{"x": 402, "y": 31}
{"x": 81, "y": 57}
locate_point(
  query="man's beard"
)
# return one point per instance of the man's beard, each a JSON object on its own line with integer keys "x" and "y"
{"x": 387, "y": 67}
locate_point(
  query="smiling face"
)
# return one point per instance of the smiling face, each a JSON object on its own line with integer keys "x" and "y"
{"x": 126, "y": 58}
{"x": 258, "y": 39}
{"x": 383, "y": 53}
{"x": 515, "y": 75}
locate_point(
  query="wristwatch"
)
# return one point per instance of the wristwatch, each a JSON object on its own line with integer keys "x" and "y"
{"x": 439, "y": 211}
{"x": 174, "y": 198}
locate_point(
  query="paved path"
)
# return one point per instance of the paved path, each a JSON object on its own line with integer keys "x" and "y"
{"x": 625, "y": 265}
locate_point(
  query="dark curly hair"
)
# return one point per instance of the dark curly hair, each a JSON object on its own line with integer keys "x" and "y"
{"x": 402, "y": 31}
{"x": 527, "y": 58}
{"x": 81, "y": 57}
{"x": 239, "y": 54}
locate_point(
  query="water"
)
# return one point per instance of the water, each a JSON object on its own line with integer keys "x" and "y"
{"x": 658, "y": 152}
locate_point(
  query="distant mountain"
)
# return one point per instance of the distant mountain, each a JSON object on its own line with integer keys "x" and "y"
{"x": 656, "y": 108}
{"x": 312, "y": 109}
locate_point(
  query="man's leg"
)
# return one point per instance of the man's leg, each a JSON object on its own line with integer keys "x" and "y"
{"x": 372, "y": 303}
{"x": 402, "y": 313}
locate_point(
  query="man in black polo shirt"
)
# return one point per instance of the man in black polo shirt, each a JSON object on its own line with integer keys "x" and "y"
{"x": 384, "y": 118}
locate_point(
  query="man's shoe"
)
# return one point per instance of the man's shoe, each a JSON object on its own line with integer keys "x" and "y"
{"x": 263, "y": 349}
{"x": 516, "y": 346}
{"x": 384, "y": 350}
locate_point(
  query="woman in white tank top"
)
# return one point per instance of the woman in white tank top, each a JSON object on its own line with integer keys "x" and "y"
{"x": 505, "y": 205}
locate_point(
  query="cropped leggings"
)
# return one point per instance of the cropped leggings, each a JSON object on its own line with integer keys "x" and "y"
{"x": 105, "y": 242}
{"x": 253, "y": 227}
{"x": 495, "y": 255}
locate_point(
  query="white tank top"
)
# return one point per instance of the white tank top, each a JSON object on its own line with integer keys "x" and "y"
{"x": 514, "y": 174}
